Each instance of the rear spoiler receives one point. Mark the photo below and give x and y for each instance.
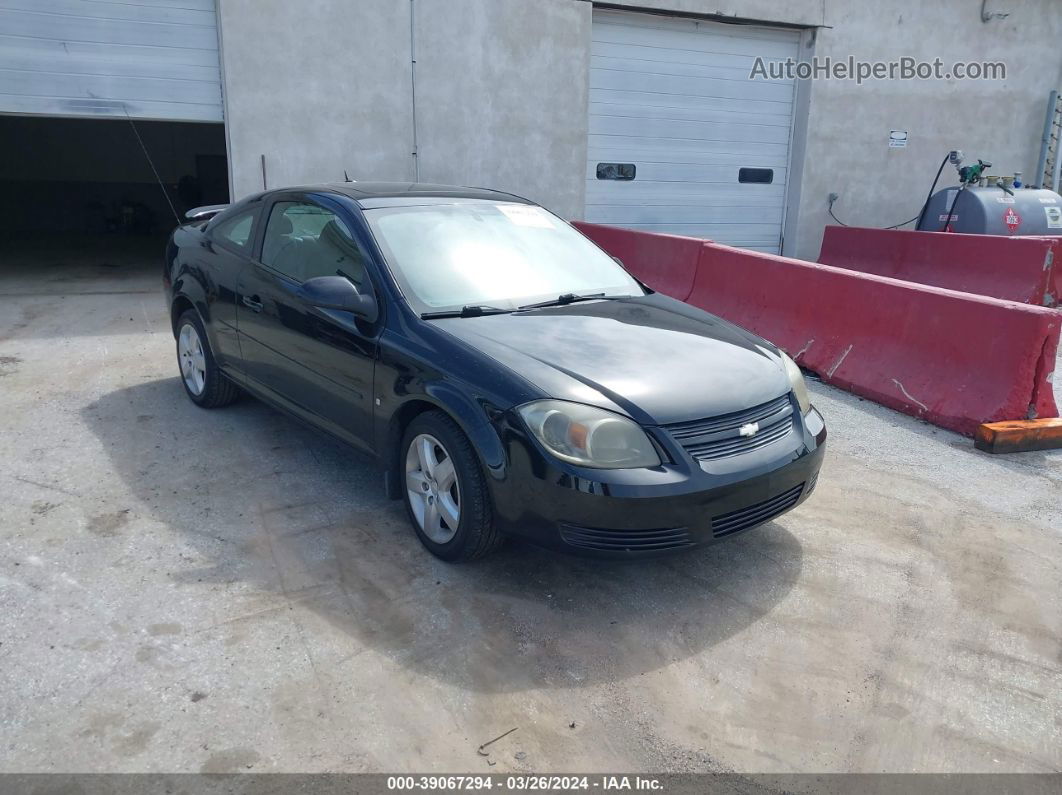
(203, 213)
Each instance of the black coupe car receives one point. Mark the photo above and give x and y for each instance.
(509, 376)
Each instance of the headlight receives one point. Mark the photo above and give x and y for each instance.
(588, 436)
(800, 389)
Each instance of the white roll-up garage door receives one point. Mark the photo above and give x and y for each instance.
(152, 59)
(681, 140)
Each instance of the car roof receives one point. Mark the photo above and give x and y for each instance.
(369, 194)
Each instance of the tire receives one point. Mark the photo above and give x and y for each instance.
(474, 535)
(203, 381)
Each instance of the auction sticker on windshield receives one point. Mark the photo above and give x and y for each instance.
(523, 215)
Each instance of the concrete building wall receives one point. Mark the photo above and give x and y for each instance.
(507, 108)
(316, 86)
(323, 85)
(501, 95)
(848, 125)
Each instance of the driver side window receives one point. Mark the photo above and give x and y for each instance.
(304, 240)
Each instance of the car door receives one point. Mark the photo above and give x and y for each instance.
(228, 244)
(315, 362)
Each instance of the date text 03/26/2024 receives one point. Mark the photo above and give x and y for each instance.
(520, 783)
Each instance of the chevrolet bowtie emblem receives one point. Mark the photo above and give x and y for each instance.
(749, 430)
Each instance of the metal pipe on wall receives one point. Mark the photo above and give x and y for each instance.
(413, 83)
(1045, 141)
(1058, 160)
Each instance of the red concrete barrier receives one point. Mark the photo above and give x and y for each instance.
(954, 359)
(1056, 274)
(1024, 269)
(667, 263)
(1055, 277)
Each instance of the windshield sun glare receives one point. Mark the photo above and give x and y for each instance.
(480, 252)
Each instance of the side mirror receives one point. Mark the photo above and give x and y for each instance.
(338, 292)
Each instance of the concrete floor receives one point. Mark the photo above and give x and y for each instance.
(183, 590)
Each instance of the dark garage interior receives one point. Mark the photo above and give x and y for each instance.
(82, 191)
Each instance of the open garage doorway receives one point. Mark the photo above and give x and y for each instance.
(79, 198)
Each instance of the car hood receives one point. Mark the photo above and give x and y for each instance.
(655, 358)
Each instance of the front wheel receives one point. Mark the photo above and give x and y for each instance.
(203, 381)
(446, 493)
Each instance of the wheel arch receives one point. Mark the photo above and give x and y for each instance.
(185, 300)
(472, 418)
(181, 304)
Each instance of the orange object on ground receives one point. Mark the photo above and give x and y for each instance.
(1019, 436)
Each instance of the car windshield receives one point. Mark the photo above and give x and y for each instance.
(492, 254)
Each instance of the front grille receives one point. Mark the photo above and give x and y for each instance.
(719, 437)
(625, 540)
(745, 518)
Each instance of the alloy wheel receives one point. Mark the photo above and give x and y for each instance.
(193, 361)
(432, 489)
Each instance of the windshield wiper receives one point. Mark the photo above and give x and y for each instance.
(571, 298)
(473, 310)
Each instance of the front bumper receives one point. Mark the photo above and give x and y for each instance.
(627, 513)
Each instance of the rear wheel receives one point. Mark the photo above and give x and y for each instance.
(445, 491)
(204, 383)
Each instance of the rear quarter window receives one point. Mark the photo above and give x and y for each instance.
(235, 230)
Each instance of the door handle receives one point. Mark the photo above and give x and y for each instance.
(253, 303)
